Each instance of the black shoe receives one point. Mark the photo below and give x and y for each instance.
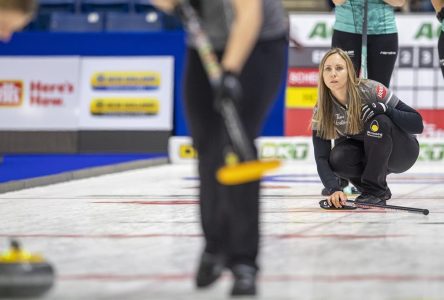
(387, 194)
(355, 190)
(370, 199)
(374, 199)
(210, 269)
(244, 280)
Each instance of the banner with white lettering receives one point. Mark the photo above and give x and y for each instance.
(127, 93)
(39, 93)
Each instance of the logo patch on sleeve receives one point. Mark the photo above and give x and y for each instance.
(381, 91)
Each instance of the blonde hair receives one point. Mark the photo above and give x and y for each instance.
(27, 7)
(323, 118)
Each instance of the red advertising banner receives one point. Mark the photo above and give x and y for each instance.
(302, 77)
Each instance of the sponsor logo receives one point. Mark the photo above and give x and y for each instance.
(303, 77)
(124, 106)
(428, 31)
(11, 93)
(431, 152)
(49, 94)
(321, 30)
(125, 80)
(287, 151)
(187, 152)
(280, 148)
(351, 53)
(387, 52)
(374, 128)
(381, 91)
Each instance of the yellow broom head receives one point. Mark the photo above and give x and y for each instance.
(245, 172)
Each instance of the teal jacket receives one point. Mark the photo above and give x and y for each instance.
(350, 16)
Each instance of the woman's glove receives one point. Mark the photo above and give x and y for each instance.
(229, 89)
(370, 110)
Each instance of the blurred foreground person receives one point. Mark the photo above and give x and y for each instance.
(250, 40)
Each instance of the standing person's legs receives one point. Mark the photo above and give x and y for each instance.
(382, 54)
(261, 78)
(230, 214)
(351, 43)
(208, 135)
(441, 51)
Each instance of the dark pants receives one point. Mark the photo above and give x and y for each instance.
(441, 52)
(382, 50)
(366, 163)
(230, 214)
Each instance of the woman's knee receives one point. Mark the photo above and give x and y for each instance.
(346, 158)
(337, 159)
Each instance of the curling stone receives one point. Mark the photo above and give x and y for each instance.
(23, 274)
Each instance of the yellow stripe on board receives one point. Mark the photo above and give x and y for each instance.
(301, 97)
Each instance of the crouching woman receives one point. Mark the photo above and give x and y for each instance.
(373, 132)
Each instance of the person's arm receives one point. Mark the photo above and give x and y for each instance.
(243, 35)
(406, 118)
(395, 3)
(384, 101)
(165, 5)
(322, 150)
(339, 2)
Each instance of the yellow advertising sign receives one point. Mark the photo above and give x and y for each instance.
(301, 97)
(125, 80)
(124, 106)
